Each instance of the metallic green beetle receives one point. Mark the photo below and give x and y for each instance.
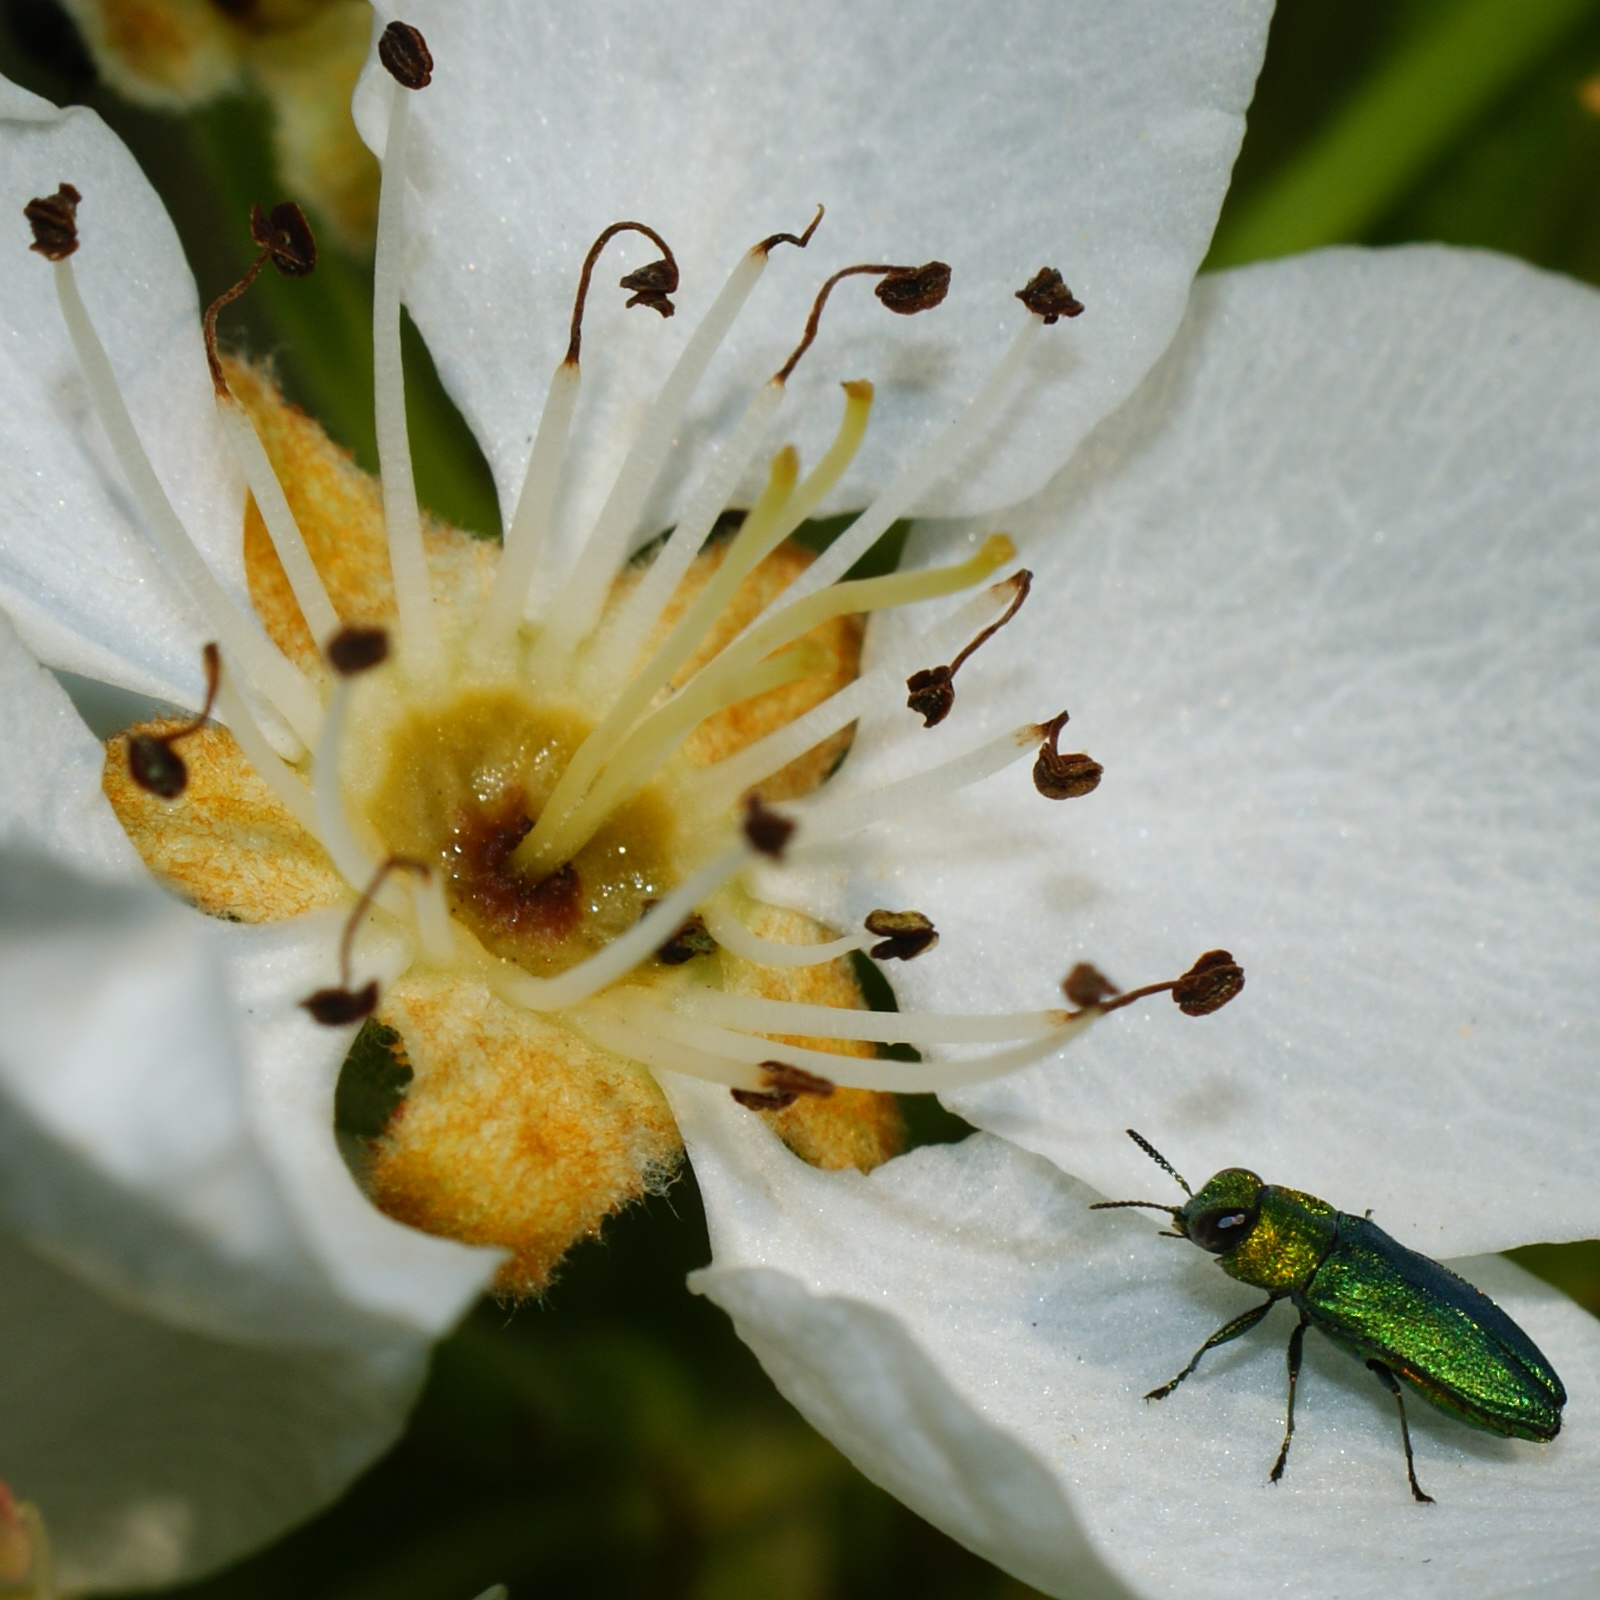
(1402, 1314)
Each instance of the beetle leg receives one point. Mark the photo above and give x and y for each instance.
(1229, 1330)
(1297, 1342)
(1392, 1384)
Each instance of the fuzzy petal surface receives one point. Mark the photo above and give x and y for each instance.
(1322, 598)
(978, 1342)
(78, 574)
(1097, 139)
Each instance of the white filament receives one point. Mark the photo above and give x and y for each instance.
(420, 648)
(435, 931)
(333, 828)
(287, 539)
(753, 1014)
(830, 820)
(529, 532)
(585, 590)
(936, 460)
(282, 779)
(635, 1026)
(626, 636)
(270, 672)
(729, 778)
(725, 926)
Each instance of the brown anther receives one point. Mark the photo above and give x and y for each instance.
(768, 831)
(1063, 777)
(784, 1085)
(405, 56)
(1206, 987)
(333, 1008)
(1087, 986)
(905, 935)
(906, 290)
(54, 220)
(286, 237)
(649, 285)
(1209, 984)
(1046, 295)
(152, 762)
(772, 240)
(352, 651)
(785, 1079)
(931, 693)
(691, 940)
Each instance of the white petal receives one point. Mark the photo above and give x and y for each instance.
(50, 765)
(77, 572)
(962, 1309)
(1322, 600)
(156, 1454)
(173, 1163)
(1097, 139)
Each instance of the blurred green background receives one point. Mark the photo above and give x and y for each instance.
(618, 1440)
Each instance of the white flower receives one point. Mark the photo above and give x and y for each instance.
(1208, 581)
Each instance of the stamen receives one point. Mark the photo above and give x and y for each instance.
(584, 594)
(350, 653)
(152, 762)
(338, 1006)
(530, 524)
(730, 932)
(731, 776)
(903, 290)
(937, 459)
(270, 671)
(405, 56)
(905, 935)
(890, 936)
(634, 1025)
(278, 776)
(1046, 295)
(404, 53)
(639, 759)
(767, 831)
(650, 284)
(785, 1085)
(1207, 986)
(1063, 777)
(623, 636)
(286, 240)
(932, 691)
(752, 1014)
(720, 682)
(54, 220)
(776, 514)
(829, 820)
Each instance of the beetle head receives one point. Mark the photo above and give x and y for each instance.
(1223, 1213)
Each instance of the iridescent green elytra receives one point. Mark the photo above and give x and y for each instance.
(1402, 1314)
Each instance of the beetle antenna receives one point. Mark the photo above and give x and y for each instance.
(1148, 1205)
(1159, 1159)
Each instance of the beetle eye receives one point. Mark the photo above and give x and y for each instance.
(1219, 1231)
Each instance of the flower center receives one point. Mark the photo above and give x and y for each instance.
(459, 783)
